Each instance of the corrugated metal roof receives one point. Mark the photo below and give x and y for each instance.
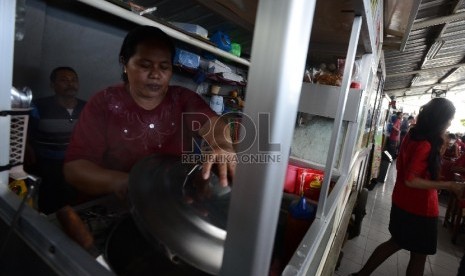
(432, 23)
(435, 20)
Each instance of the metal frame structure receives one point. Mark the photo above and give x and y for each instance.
(273, 89)
(322, 210)
(311, 247)
(255, 202)
(7, 23)
(54, 247)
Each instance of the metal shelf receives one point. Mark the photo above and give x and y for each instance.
(127, 14)
(317, 99)
(329, 36)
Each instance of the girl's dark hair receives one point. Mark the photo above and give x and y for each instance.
(137, 36)
(432, 121)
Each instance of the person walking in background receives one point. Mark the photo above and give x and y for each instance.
(460, 143)
(52, 121)
(414, 212)
(404, 128)
(452, 149)
(394, 135)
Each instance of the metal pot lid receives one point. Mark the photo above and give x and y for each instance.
(172, 205)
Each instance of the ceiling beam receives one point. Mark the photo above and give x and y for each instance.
(432, 4)
(439, 21)
(425, 70)
(458, 5)
(448, 74)
(454, 83)
(395, 33)
(424, 93)
(438, 38)
(409, 27)
(455, 8)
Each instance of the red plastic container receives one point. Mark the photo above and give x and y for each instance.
(312, 180)
(291, 177)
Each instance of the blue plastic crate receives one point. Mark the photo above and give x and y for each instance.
(186, 58)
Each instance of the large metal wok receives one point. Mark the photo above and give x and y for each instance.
(172, 206)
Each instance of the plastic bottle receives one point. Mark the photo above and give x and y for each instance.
(300, 217)
(356, 75)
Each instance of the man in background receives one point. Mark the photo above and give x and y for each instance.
(404, 128)
(52, 121)
(394, 136)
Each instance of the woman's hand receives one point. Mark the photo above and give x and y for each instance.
(121, 188)
(217, 134)
(226, 162)
(91, 179)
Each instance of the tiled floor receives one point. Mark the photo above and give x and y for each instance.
(375, 231)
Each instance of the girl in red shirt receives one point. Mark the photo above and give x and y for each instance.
(414, 212)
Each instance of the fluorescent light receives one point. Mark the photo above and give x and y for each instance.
(434, 49)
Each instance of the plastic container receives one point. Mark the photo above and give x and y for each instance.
(235, 49)
(216, 104)
(191, 28)
(222, 41)
(314, 189)
(300, 217)
(311, 180)
(217, 66)
(356, 82)
(186, 58)
(291, 177)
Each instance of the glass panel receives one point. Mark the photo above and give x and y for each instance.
(312, 136)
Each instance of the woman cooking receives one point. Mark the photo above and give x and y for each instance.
(143, 116)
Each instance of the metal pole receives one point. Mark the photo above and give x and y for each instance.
(279, 51)
(7, 28)
(350, 58)
(373, 128)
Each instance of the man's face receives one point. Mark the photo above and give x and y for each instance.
(66, 83)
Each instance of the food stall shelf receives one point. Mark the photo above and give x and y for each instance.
(255, 200)
(136, 18)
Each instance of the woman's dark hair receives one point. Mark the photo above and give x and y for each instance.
(53, 75)
(432, 121)
(137, 36)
